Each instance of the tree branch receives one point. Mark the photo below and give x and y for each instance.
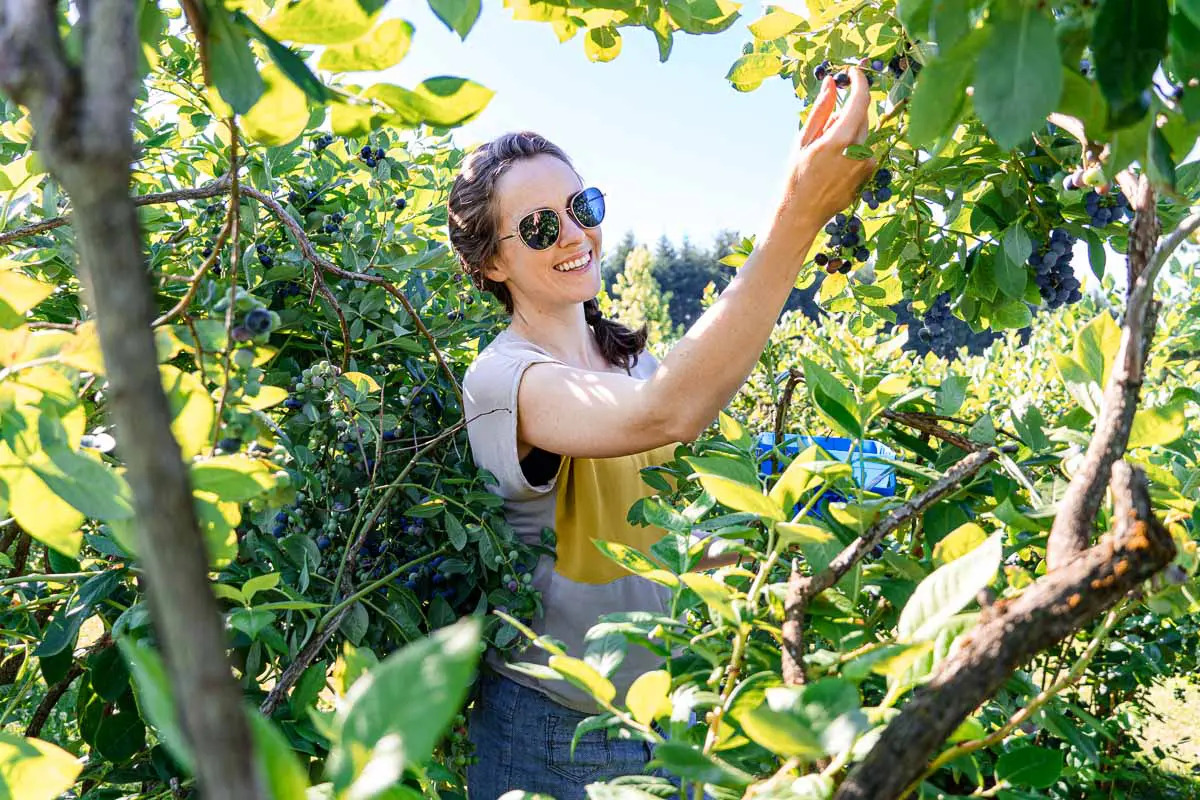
(1075, 519)
(319, 262)
(802, 589)
(1010, 633)
(212, 189)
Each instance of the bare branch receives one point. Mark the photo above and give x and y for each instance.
(1009, 634)
(802, 589)
(1074, 522)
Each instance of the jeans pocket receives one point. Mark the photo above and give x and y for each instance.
(593, 753)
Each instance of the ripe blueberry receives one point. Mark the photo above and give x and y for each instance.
(258, 321)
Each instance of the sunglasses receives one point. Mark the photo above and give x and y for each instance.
(540, 229)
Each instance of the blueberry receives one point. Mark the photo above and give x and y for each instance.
(258, 321)
(821, 70)
(378, 154)
(854, 225)
(400, 203)
(842, 80)
(365, 152)
(862, 254)
(821, 259)
(281, 516)
(278, 531)
(883, 177)
(835, 241)
(845, 267)
(883, 194)
(230, 444)
(390, 436)
(323, 542)
(293, 403)
(350, 447)
(869, 198)
(877, 65)
(831, 228)
(262, 248)
(266, 260)
(206, 252)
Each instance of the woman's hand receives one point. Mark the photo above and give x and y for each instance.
(822, 181)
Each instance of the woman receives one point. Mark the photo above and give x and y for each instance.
(565, 407)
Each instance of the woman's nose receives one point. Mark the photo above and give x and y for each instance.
(572, 232)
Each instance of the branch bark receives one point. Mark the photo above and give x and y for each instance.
(1075, 520)
(802, 589)
(84, 129)
(1010, 633)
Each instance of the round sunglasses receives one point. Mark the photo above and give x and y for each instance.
(540, 229)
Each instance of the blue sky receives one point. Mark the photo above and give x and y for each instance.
(677, 150)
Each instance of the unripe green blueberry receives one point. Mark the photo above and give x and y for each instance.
(244, 357)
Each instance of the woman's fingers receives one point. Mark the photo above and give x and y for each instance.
(852, 119)
(818, 120)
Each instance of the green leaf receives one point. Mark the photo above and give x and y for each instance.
(1096, 347)
(281, 113)
(1158, 426)
(319, 21)
(690, 763)
(1036, 767)
(383, 47)
(947, 590)
(781, 732)
(442, 101)
(31, 769)
(941, 90)
(287, 61)
(837, 415)
(1011, 273)
(1011, 314)
(1133, 38)
(457, 15)
(914, 16)
(1160, 166)
(733, 431)
(153, 692)
(801, 475)
(951, 394)
(259, 583)
(231, 65)
(455, 531)
(286, 779)
(1018, 76)
(395, 714)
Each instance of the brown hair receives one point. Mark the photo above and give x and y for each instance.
(473, 223)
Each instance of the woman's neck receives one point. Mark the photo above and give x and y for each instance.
(567, 336)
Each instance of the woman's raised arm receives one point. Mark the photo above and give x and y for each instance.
(577, 412)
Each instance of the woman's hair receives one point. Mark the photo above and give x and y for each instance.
(473, 217)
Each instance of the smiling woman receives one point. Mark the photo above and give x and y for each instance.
(565, 408)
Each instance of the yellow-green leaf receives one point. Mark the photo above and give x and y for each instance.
(383, 47)
(648, 698)
(775, 24)
(31, 769)
(636, 562)
(43, 514)
(281, 113)
(192, 410)
(232, 478)
(21, 292)
(958, 542)
(443, 101)
(351, 120)
(83, 352)
(602, 43)
(716, 595)
(319, 21)
(741, 497)
(267, 396)
(1161, 425)
(582, 675)
(733, 431)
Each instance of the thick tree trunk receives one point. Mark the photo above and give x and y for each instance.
(82, 118)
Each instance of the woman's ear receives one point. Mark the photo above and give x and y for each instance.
(494, 270)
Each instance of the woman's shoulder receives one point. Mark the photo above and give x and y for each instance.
(500, 362)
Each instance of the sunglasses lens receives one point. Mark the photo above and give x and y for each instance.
(539, 230)
(588, 206)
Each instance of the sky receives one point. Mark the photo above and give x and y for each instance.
(675, 148)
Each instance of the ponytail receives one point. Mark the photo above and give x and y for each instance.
(620, 345)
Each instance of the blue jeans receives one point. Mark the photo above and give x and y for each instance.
(523, 741)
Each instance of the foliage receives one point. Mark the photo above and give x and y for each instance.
(636, 299)
(310, 354)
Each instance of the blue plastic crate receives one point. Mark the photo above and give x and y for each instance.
(868, 472)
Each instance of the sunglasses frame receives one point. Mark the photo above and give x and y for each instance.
(570, 210)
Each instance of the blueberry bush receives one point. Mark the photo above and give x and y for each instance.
(246, 548)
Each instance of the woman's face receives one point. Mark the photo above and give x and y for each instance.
(550, 279)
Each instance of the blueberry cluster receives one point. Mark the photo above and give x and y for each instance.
(878, 189)
(900, 63)
(265, 256)
(371, 157)
(939, 332)
(1051, 261)
(333, 222)
(1103, 209)
(824, 69)
(288, 289)
(844, 245)
(302, 199)
(322, 141)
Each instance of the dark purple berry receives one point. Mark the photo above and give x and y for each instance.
(240, 334)
(821, 259)
(883, 194)
(258, 321)
(323, 542)
(230, 445)
(842, 80)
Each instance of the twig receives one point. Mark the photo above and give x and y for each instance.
(785, 400)
(42, 712)
(802, 589)
(235, 224)
(194, 281)
(1011, 632)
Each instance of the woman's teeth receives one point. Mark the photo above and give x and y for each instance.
(571, 266)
